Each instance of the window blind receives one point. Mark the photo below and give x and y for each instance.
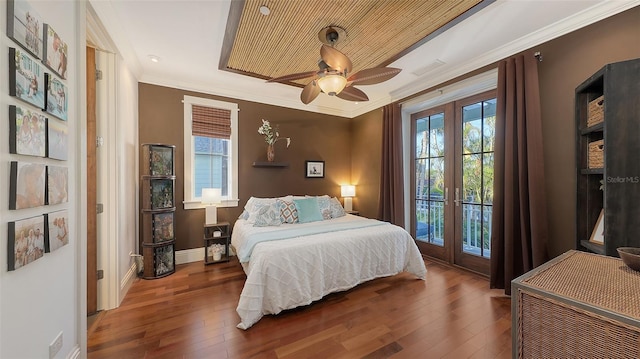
(210, 122)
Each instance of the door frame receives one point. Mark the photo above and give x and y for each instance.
(108, 242)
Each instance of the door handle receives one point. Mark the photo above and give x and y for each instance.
(457, 200)
(446, 196)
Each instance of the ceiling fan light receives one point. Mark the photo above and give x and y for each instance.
(332, 84)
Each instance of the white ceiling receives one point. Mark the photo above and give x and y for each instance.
(187, 36)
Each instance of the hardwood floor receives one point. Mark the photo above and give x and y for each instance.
(191, 314)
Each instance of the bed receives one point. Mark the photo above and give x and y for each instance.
(294, 264)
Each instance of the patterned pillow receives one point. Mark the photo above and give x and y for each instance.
(288, 212)
(244, 215)
(267, 215)
(324, 202)
(254, 204)
(336, 208)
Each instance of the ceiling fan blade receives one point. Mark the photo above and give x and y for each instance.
(291, 77)
(335, 59)
(374, 75)
(310, 92)
(353, 94)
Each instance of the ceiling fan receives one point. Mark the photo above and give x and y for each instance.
(333, 76)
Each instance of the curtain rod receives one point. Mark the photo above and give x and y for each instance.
(538, 55)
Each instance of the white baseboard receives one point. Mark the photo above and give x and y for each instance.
(127, 281)
(190, 255)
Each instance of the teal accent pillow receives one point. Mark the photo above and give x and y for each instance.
(308, 210)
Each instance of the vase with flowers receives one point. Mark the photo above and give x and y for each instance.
(271, 136)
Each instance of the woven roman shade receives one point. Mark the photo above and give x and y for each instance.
(210, 122)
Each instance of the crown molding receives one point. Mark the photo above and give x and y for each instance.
(584, 18)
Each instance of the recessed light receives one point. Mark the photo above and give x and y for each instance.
(264, 10)
(154, 58)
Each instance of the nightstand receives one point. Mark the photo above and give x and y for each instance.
(355, 213)
(213, 240)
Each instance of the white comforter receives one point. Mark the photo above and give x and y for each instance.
(287, 273)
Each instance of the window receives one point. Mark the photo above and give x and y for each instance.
(210, 150)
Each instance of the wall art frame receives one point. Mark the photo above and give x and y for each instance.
(26, 78)
(26, 241)
(26, 185)
(314, 169)
(57, 230)
(24, 26)
(27, 132)
(57, 140)
(56, 97)
(54, 52)
(57, 185)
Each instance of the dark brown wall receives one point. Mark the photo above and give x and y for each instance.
(567, 62)
(313, 137)
(366, 143)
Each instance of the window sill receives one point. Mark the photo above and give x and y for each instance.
(200, 205)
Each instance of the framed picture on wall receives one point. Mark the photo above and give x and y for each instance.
(57, 184)
(26, 242)
(314, 169)
(24, 26)
(57, 140)
(55, 52)
(26, 78)
(56, 97)
(27, 185)
(27, 132)
(57, 230)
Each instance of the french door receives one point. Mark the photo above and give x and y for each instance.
(452, 181)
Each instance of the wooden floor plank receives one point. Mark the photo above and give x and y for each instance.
(191, 314)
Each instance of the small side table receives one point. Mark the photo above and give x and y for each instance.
(211, 240)
(355, 213)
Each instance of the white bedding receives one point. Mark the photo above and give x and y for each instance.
(287, 273)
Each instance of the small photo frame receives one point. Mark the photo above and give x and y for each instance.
(164, 260)
(57, 185)
(57, 230)
(162, 227)
(24, 26)
(56, 97)
(597, 236)
(26, 241)
(27, 185)
(55, 52)
(57, 143)
(26, 78)
(162, 194)
(314, 169)
(27, 132)
(161, 160)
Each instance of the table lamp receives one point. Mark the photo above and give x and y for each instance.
(348, 191)
(211, 197)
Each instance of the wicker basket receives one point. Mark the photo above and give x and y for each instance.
(595, 112)
(596, 154)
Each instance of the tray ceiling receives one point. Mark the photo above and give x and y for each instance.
(376, 33)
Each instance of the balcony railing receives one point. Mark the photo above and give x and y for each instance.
(476, 221)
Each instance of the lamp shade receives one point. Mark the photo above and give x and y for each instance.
(332, 84)
(211, 195)
(348, 191)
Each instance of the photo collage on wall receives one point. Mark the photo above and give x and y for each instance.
(37, 128)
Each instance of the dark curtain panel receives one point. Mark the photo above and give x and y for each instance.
(519, 229)
(391, 203)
